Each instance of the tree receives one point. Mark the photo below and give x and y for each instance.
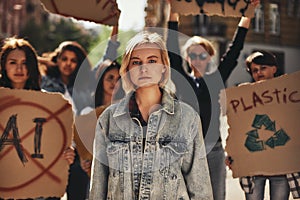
(49, 34)
(98, 46)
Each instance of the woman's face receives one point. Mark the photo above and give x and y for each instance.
(146, 66)
(111, 81)
(67, 63)
(198, 59)
(262, 72)
(16, 68)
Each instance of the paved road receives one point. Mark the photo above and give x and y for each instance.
(234, 191)
(233, 188)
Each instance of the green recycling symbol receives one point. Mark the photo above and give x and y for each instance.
(280, 137)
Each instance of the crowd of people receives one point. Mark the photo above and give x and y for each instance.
(153, 140)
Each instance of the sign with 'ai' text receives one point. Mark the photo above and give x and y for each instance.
(35, 129)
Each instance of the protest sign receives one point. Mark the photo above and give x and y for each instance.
(85, 127)
(264, 128)
(102, 12)
(221, 8)
(84, 133)
(36, 128)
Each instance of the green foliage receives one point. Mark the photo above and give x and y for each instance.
(49, 34)
(124, 37)
(99, 45)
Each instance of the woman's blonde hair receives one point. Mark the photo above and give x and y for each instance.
(196, 40)
(141, 38)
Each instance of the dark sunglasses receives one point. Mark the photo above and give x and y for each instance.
(201, 56)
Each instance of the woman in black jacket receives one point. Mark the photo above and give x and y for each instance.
(205, 82)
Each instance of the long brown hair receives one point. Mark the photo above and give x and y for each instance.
(83, 62)
(13, 43)
(105, 67)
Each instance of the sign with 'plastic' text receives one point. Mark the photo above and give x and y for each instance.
(264, 126)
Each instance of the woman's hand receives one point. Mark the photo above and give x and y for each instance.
(46, 61)
(255, 2)
(228, 161)
(173, 17)
(69, 155)
(246, 21)
(86, 165)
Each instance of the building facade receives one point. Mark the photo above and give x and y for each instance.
(14, 14)
(275, 27)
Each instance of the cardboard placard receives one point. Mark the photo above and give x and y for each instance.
(84, 134)
(264, 128)
(98, 11)
(223, 8)
(36, 128)
(85, 126)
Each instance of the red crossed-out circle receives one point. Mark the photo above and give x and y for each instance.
(12, 101)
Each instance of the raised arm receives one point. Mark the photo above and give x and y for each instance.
(173, 43)
(114, 33)
(229, 59)
(113, 45)
(245, 21)
(111, 50)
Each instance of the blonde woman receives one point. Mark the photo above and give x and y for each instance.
(149, 145)
(206, 80)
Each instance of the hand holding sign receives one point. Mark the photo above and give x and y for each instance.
(215, 7)
(33, 143)
(264, 127)
(98, 11)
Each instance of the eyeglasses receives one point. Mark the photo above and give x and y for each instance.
(201, 56)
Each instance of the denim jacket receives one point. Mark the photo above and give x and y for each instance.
(169, 164)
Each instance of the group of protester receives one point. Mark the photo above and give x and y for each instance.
(151, 140)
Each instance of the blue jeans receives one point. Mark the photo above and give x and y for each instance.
(217, 171)
(279, 188)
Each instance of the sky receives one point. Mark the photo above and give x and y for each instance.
(132, 14)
